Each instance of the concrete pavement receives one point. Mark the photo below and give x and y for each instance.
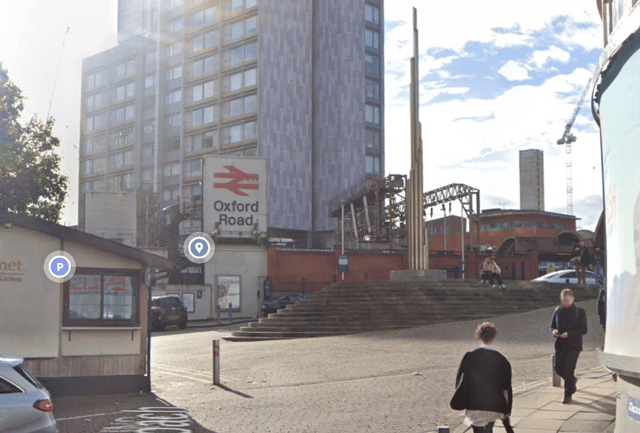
(394, 381)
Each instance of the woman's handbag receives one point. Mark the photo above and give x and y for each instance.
(459, 399)
(507, 425)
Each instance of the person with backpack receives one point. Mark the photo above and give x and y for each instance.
(568, 325)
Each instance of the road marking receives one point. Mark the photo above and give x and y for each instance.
(187, 377)
(186, 370)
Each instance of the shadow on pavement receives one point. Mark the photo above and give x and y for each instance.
(119, 413)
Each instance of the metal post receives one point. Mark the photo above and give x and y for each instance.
(342, 235)
(230, 306)
(462, 236)
(216, 362)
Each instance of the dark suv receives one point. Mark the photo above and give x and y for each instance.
(167, 310)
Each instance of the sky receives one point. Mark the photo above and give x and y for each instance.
(500, 77)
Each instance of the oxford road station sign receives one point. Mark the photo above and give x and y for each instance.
(234, 196)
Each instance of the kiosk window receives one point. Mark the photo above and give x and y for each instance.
(101, 298)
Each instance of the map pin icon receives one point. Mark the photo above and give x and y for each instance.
(198, 247)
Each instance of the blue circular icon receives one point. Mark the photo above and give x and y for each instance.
(60, 266)
(199, 247)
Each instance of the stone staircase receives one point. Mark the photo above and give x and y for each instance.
(353, 307)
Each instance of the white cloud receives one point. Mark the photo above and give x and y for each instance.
(540, 58)
(514, 71)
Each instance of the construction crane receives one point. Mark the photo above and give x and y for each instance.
(566, 139)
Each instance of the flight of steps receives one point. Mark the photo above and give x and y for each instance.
(353, 307)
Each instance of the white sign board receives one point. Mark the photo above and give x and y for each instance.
(234, 196)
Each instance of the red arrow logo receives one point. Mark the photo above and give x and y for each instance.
(237, 177)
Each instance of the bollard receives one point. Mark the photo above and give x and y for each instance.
(230, 305)
(216, 362)
(556, 379)
(443, 430)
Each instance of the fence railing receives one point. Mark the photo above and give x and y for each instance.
(310, 283)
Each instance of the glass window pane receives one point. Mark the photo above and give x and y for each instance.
(250, 52)
(235, 108)
(118, 298)
(235, 82)
(207, 116)
(250, 78)
(84, 297)
(235, 134)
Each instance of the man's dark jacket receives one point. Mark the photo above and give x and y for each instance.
(488, 374)
(572, 320)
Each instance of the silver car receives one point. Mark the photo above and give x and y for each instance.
(25, 405)
(565, 276)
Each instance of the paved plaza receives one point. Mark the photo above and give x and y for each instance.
(392, 381)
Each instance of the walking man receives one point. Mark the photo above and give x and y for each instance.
(568, 325)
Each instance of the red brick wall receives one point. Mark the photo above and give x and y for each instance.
(319, 269)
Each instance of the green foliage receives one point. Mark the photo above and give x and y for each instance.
(30, 179)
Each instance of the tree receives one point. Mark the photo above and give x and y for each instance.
(31, 182)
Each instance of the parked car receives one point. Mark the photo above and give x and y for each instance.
(566, 276)
(168, 310)
(281, 302)
(25, 405)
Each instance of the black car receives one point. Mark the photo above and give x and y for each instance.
(281, 302)
(168, 310)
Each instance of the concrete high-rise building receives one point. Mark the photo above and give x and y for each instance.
(298, 82)
(531, 179)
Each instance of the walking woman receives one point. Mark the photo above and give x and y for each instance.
(484, 383)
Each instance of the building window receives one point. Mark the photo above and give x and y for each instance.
(240, 80)
(149, 81)
(193, 168)
(176, 25)
(122, 182)
(372, 89)
(172, 169)
(174, 49)
(95, 122)
(372, 164)
(204, 66)
(101, 298)
(203, 116)
(237, 55)
(372, 139)
(236, 133)
(173, 120)
(239, 107)
(240, 29)
(206, 41)
(173, 97)
(203, 91)
(205, 17)
(125, 69)
(125, 91)
(195, 143)
(97, 79)
(122, 159)
(124, 114)
(372, 14)
(150, 59)
(372, 114)
(372, 65)
(372, 39)
(94, 101)
(174, 73)
(170, 194)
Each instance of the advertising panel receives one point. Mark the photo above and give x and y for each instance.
(234, 194)
(620, 123)
(228, 292)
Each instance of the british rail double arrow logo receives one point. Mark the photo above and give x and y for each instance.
(237, 176)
